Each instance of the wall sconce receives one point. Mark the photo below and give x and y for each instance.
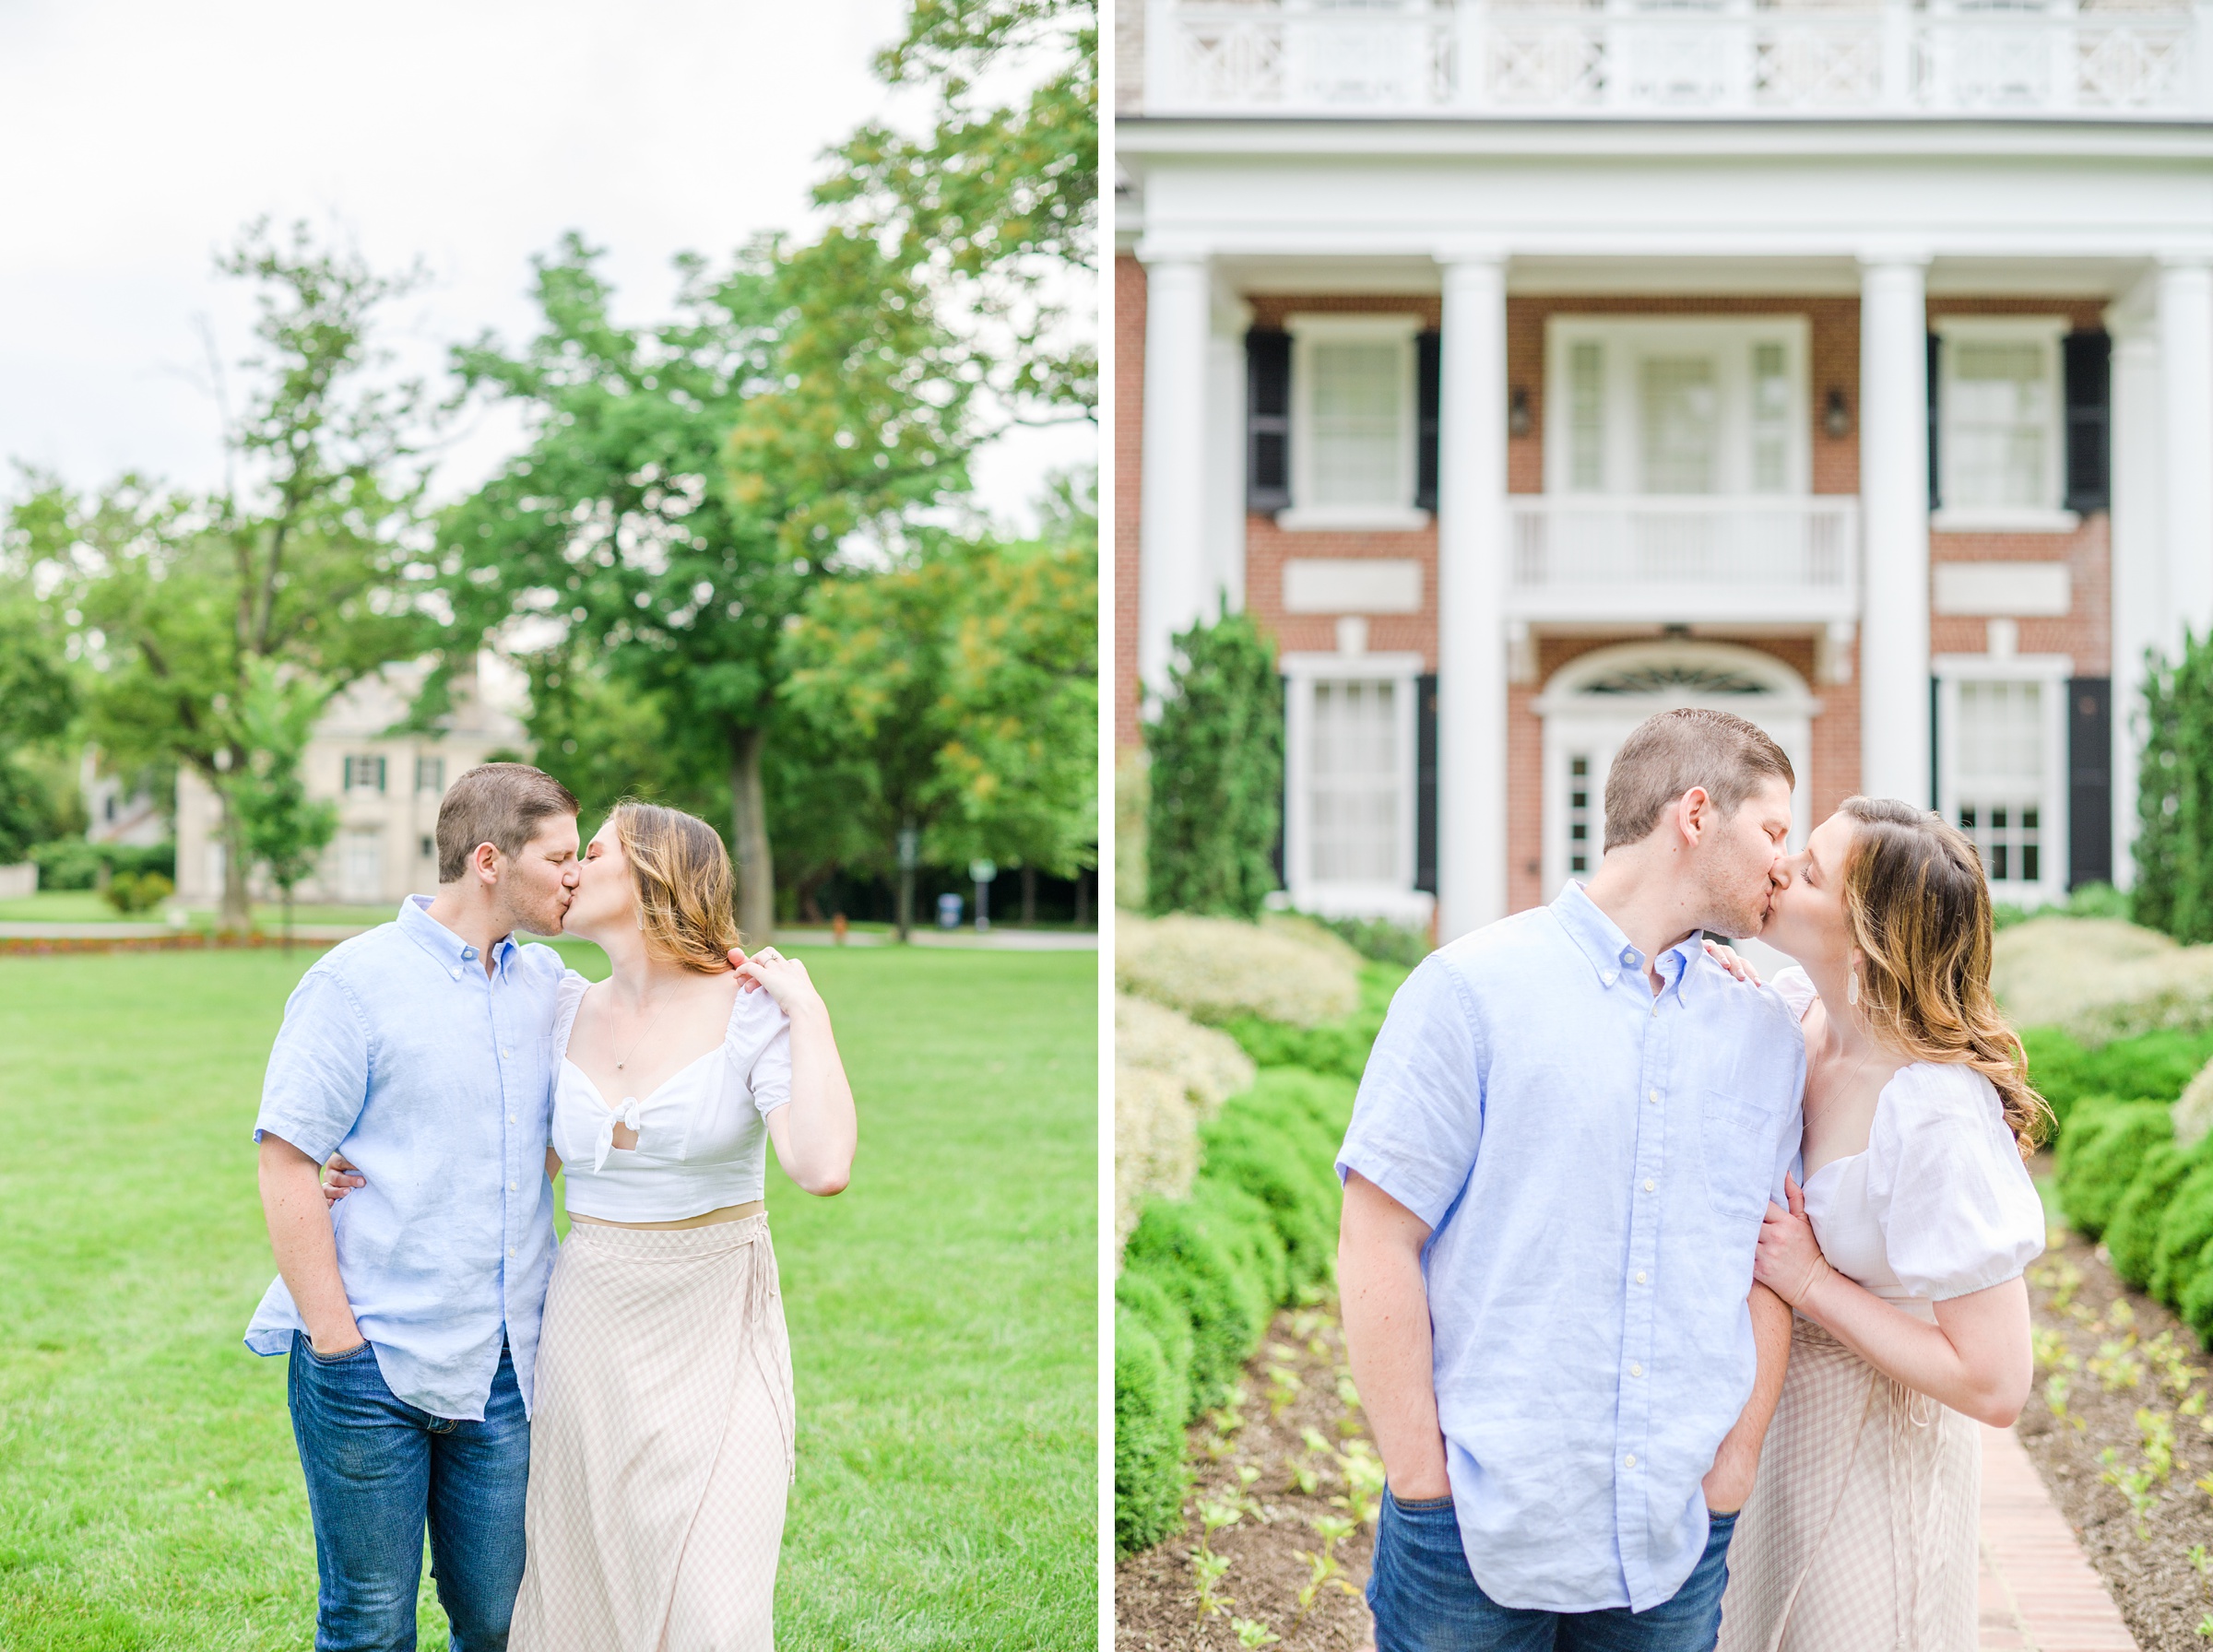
(1517, 411)
(1836, 417)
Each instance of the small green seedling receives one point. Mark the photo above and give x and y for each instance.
(1251, 1631)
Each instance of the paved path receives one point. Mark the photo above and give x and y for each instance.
(2038, 1593)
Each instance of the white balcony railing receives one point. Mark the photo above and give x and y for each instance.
(1674, 558)
(2104, 59)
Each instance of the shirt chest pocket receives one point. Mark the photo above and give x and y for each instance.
(1737, 1141)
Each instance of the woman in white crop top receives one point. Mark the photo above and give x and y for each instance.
(1903, 1253)
(662, 1440)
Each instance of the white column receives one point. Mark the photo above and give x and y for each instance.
(1172, 521)
(2186, 397)
(2140, 606)
(1224, 560)
(1894, 493)
(1471, 624)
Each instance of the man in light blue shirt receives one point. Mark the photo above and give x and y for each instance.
(422, 1051)
(1566, 1140)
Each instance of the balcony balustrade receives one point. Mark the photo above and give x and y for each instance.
(1645, 58)
(1608, 557)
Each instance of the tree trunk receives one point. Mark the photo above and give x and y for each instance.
(748, 831)
(1083, 905)
(1029, 896)
(237, 914)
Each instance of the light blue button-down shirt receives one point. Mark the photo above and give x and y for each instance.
(436, 1080)
(1594, 1162)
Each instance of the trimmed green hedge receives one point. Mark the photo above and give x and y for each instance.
(1201, 1277)
(1338, 1046)
(2099, 1157)
(2150, 1066)
(2132, 1237)
(2185, 1228)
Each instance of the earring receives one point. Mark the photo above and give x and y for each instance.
(1851, 988)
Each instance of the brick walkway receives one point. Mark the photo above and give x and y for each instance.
(2038, 1593)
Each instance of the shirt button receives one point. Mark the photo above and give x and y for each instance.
(1629, 1462)
(1648, 1184)
(1641, 1276)
(511, 1189)
(510, 1250)
(456, 971)
(510, 1118)
(506, 1052)
(1653, 1097)
(1635, 1369)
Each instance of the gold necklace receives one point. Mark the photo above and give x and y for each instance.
(639, 1040)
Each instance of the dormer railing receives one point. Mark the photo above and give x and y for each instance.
(1645, 58)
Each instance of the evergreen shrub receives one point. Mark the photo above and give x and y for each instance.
(2156, 1066)
(1339, 1046)
(2132, 1236)
(2184, 1228)
(1204, 1255)
(2099, 1157)
(1148, 1476)
(1216, 775)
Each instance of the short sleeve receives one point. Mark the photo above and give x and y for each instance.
(317, 1079)
(1418, 1120)
(1946, 1184)
(759, 1046)
(1796, 991)
(568, 997)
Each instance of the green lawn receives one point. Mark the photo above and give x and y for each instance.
(64, 906)
(941, 1310)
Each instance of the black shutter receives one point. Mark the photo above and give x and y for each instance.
(1425, 370)
(2089, 780)
(1267, 421)
(2088, 358)
(1425, 782)
(1936, 485)
(1936, 699)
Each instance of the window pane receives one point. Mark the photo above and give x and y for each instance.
(1681, 415)
(1998, 424)
(1578, 815)
(1358, 412)
(1770, 420)
(2000, 764)
(1354, 762)
(1586, 418)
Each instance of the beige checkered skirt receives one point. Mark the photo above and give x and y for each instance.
(661, 1444)
(1861, 1530)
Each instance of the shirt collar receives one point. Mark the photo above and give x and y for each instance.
(1600, 939)
(453, 953)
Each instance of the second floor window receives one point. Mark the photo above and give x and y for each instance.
(1999, 403)
(364, 773)
(1354, 421)
(430, 774)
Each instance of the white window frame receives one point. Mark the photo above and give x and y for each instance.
(351, 767)
(1400, 903)
(1307, 331)
(2052, 672)
(1731, 339)
(2051, 514)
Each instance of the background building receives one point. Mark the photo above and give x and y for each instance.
(387, 787)
(1526, 369)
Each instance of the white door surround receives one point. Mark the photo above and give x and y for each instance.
(1592, 704)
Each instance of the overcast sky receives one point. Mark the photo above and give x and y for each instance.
(137, 136)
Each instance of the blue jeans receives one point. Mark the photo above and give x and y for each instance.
(1425, 1599)
(377, 1468)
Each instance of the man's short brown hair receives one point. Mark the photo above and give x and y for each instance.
(499, 804)
(1670, 752)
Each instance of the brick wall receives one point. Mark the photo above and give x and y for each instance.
(1128, 492)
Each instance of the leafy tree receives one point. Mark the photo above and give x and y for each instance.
(997, 204)
(2175, 848)
(686, 484)
(174, 600)
(37, 702)
(963, 684)
(1216, 773)
(283, 830)
(2158, 802)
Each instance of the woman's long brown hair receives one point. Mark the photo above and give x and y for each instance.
(681, 873)
(1919, 909)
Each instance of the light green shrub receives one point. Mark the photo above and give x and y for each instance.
(2184, 1228)
(1216, 970)
(1149, 1475)
(2132, 1236)
(2098, 1158)
(1340, 1047)
(1169, 1074)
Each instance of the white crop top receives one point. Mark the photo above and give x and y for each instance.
(702, 1136)
(1938, 1204)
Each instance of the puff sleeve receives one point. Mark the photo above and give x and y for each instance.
(759, 1047)
(1796, 990)
(1946, 1184)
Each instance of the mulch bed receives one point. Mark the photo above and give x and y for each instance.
(2132, 1372)
(1256, 1457)
(190, 942)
